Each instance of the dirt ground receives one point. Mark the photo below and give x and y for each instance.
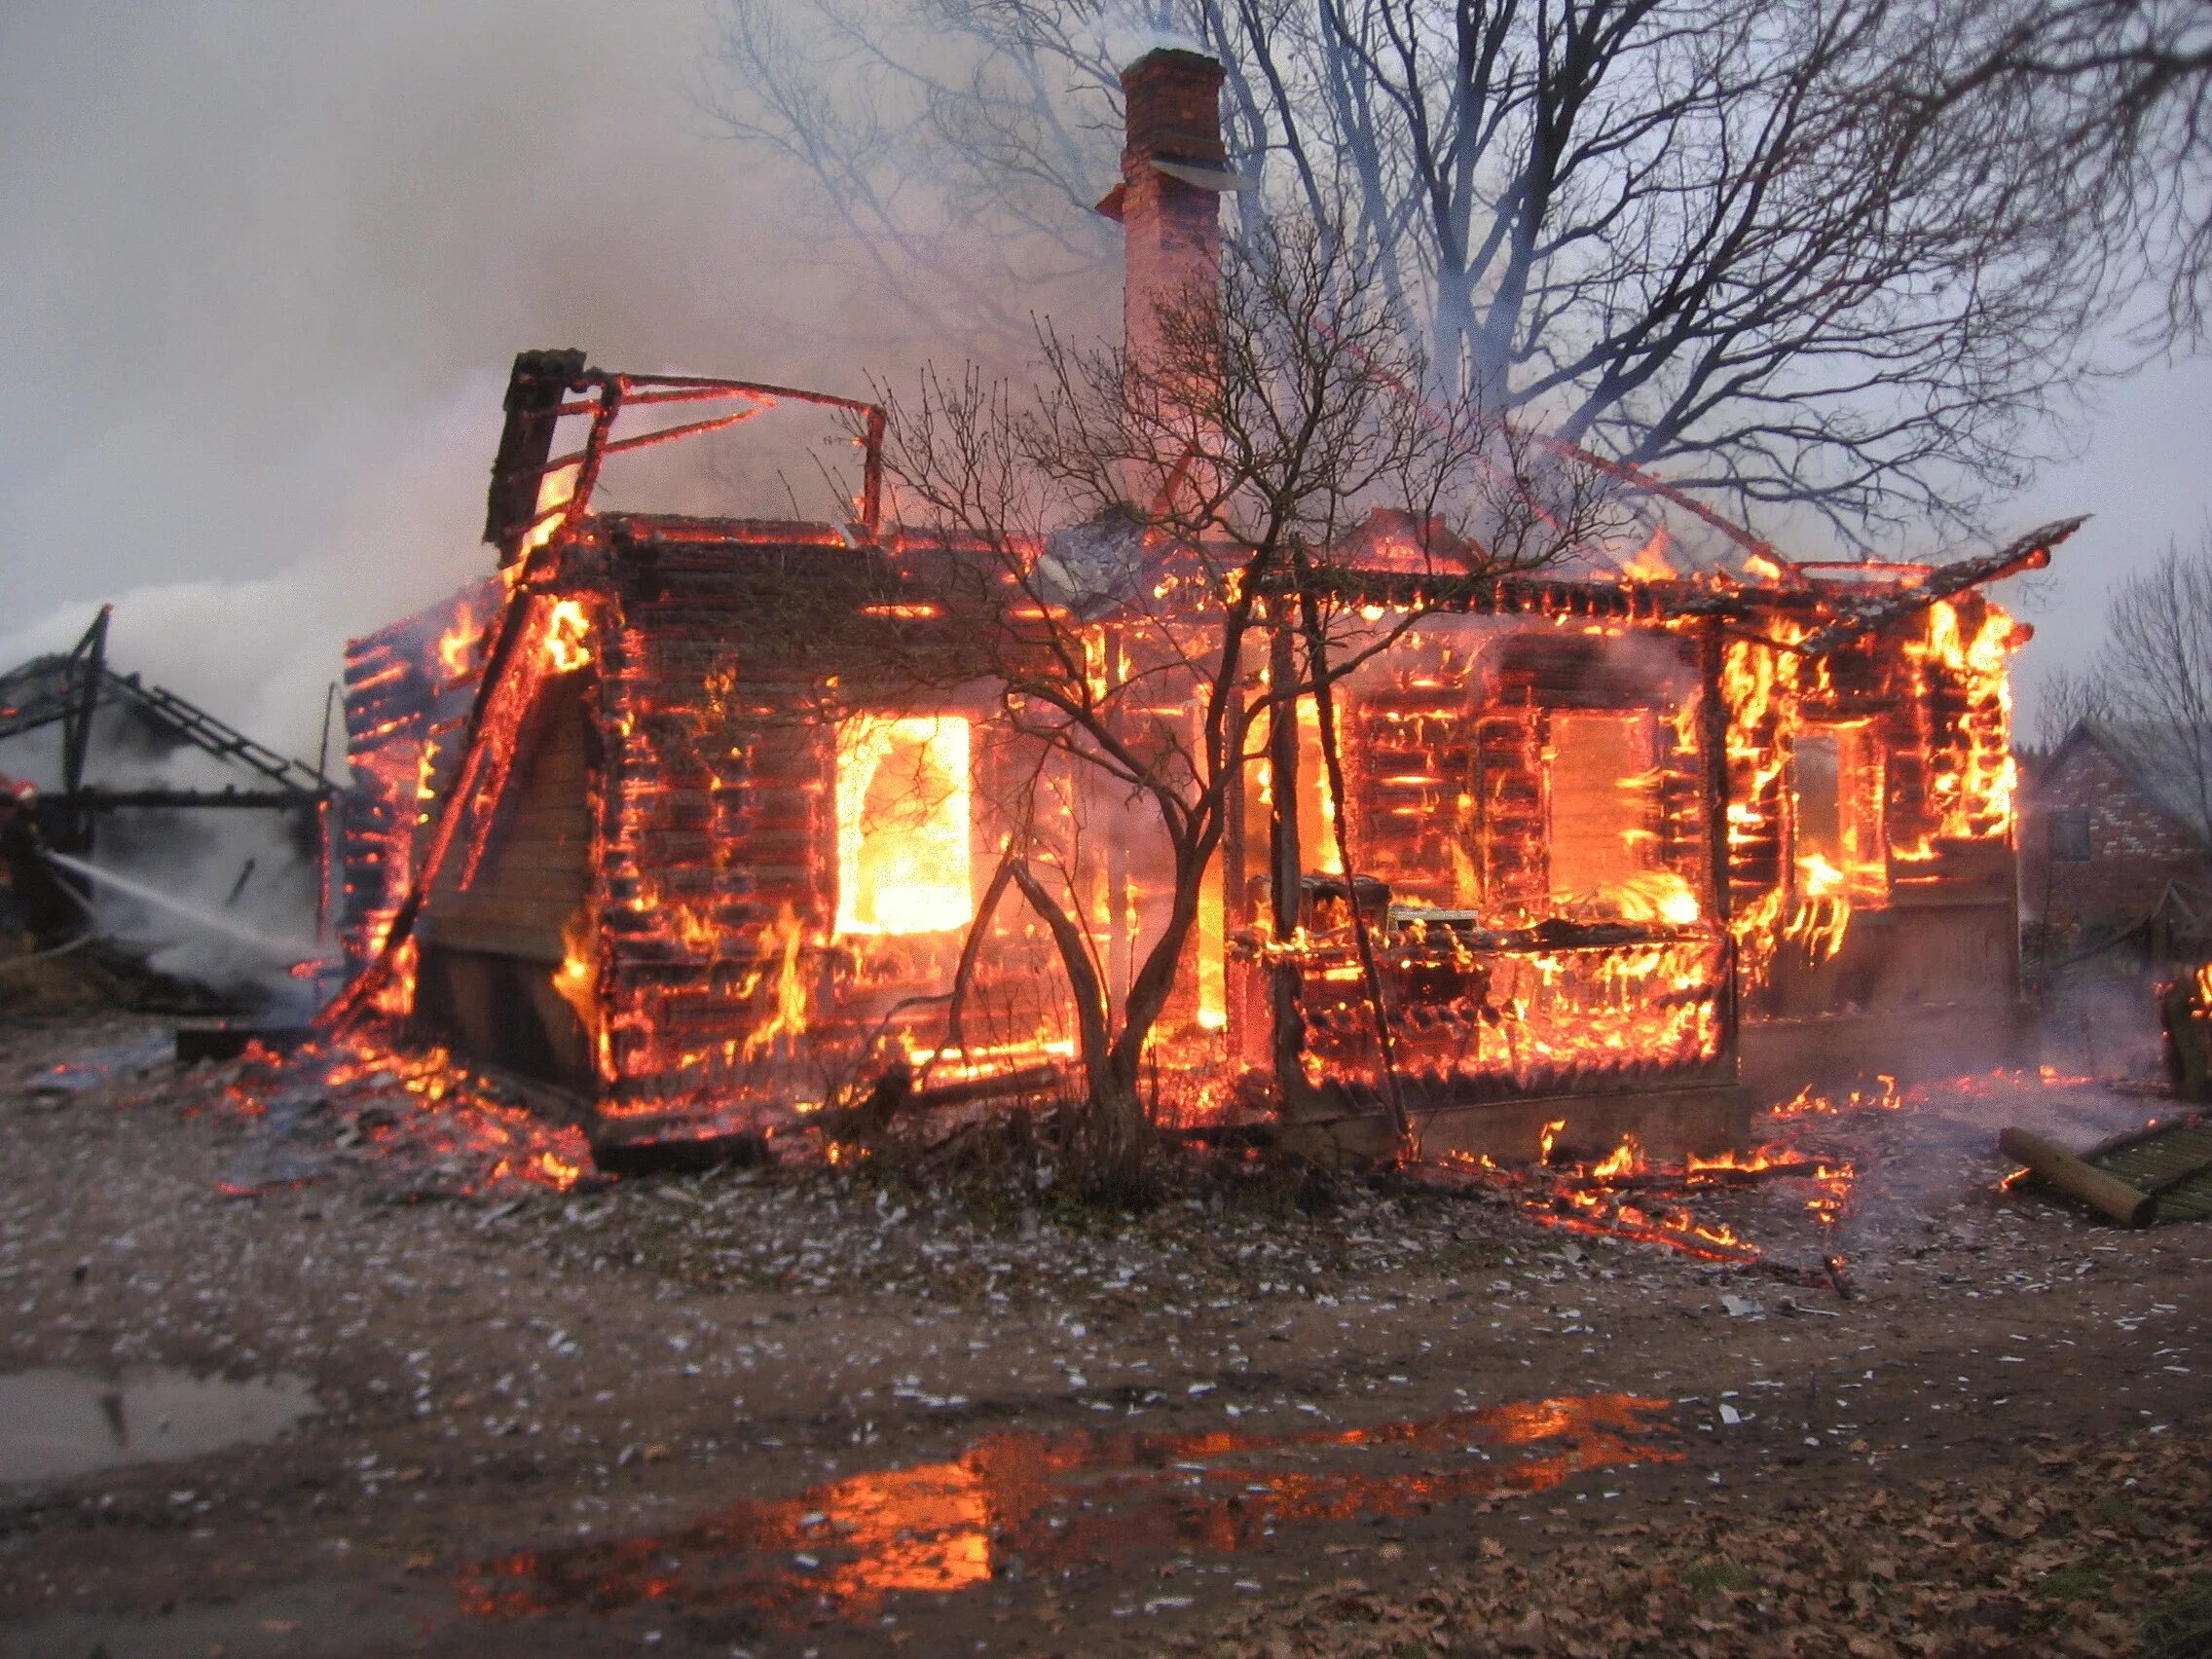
(821, 1411)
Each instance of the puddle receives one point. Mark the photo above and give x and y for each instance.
(1014, 1505)
(55, 1424)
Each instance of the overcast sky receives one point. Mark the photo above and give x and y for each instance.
(265, 264)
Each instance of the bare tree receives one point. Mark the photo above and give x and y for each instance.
(2122, 144)
(2064, 699)
(1745, 241)
(2153, 680)
(1142, 654)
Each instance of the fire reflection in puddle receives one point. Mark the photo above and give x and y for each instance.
(1023, 1502)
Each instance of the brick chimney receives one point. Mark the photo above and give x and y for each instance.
(1173, 172)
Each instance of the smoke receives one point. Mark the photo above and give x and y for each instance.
(1127, 30)
(264, 271)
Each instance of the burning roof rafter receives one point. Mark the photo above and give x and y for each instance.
(533, 491)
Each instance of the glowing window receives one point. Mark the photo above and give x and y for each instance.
(1837, 776)
(903, 816)
(1600, 800)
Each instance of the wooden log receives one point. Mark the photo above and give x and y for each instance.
(2107, 1195)
(665, 1145)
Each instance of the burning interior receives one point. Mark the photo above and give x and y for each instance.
(701, 820)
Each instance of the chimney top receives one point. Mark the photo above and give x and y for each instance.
(1183, 56)
(1171, 100)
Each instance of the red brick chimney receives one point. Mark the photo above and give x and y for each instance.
(1173, 172)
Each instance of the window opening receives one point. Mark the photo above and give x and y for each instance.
(903, 812)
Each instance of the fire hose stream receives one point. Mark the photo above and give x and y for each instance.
(286, 951)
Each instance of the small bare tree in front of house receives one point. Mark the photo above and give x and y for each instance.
(1234, 452)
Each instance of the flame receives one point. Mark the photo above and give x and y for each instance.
(576, 980)
(1627, 1159)
(1822, 915)
(396, 997)
(1649, 563)
(457, 645)
(1972, 775)
(1655, 895)
(1807, 1102)
(1819, 878)
(568, 628)
(1546, 1139)
(787, 1000)
(555, 490)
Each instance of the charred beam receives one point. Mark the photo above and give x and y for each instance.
(2031, 552)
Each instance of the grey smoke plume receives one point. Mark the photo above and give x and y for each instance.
(266, 266)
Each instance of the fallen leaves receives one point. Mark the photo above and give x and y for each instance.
(1838, 1579)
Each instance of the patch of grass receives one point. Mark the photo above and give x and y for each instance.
(2075, 1584)
(2113, 1510)
(2181, 1626)
(1715, 1573)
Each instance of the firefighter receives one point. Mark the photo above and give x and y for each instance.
(43, 907)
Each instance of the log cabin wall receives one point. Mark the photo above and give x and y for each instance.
(1534, 801)
(408, 690)
(745, 659)
(1889, 760)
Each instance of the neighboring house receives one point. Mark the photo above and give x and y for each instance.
(2113, 838)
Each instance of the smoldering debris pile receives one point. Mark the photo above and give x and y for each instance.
(410, 1127)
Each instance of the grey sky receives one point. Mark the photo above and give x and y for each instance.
(265, 265)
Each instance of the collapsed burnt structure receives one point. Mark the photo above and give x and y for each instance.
(111, 755)
(659, 815)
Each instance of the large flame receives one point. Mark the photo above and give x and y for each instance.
(903, 812)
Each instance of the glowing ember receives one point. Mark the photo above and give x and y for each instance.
(419, 1113)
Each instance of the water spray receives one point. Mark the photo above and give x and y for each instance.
(286, 951)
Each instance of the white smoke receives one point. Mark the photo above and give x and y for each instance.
(1126, 30)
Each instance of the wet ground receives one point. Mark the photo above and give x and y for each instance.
(756, 1413)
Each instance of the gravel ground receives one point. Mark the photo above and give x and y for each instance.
(796, 1409)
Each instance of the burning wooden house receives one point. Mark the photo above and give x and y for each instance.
(700, 819)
